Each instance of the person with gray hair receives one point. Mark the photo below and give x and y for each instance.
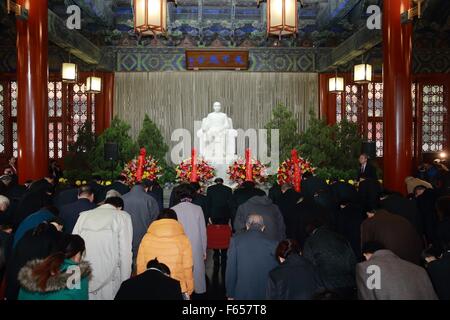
(69, 213)
(5, 214)
(251, 256)
(113, 193)
(273, 219)
(255, 222)
(4, 204)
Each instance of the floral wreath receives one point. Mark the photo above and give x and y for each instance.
(150, 170)
(237, 171)
(285, 173)
(205, 172)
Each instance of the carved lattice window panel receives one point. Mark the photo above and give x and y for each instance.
(2, 117)
(15, 144)
(14, 99)
(92, 112)
(55, 113)
(14, 105)
(375, 115)
(434, 118)
(79, 109)
(352, 103)
(51, 141)
(69, 107)
(338, 108)
(414, 126)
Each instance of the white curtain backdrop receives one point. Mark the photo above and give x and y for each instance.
(177, 99)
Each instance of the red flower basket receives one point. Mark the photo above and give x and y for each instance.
(151, 170)
(205, 172)
(236, 171)
(285, 172)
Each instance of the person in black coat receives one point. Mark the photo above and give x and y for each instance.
(287, 204)
(275, 193)
(65, 196)
(200, 199)
(118, 185)
(246, 191)
(16, 191)
(369, 191)
(305, 211)
(31, 202)
(397, 204)
(366, 170)
(5, 248)
(348, 224)
(70, 212)
(439, 272)
(324, 198)
(43, 184)
(426, 202)
(153, 284)
(97, 188)
(443, 224)
(173, 198)
(312, 184)
(54, 170)
(333, 258)
(155, 190)
(295, 278)
(218, 197)
(343, 192)
(38, 243)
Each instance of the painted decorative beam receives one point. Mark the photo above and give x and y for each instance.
(98, 10)
(436, 11)
(71, 40)
(5, 19)
(359, 43)
(335, 11)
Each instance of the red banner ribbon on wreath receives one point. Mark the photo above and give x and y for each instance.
(248, 166)
(297, 172)
(194, 175)
(140, 167)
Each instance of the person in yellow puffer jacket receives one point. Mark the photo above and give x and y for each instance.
(166, 241)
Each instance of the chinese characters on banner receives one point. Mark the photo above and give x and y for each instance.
(216, 59)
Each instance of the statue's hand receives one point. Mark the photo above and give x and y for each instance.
(210, 135)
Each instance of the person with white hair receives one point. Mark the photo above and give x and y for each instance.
(251, 256)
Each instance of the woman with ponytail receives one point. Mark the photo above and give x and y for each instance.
(295, 277)
(61, 276)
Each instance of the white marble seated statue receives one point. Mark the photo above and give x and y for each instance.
(217, 137)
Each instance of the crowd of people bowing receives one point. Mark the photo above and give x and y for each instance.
(329, 241)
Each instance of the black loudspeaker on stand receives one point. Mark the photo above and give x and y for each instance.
(111, 153)
(369, 148)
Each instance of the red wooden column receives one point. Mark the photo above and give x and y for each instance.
(32, 78)
(397, 48)
(105, 103)
(327, 100)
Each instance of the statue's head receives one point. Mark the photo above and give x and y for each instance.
(217, 106)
